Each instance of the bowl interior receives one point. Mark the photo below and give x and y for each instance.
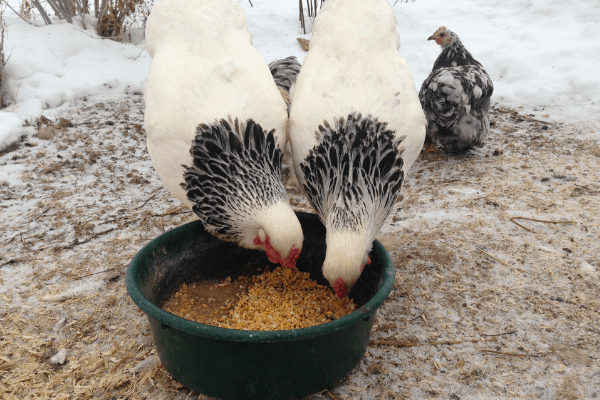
(189, 254)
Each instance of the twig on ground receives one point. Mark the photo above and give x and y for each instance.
(398, 343)
(502, 262)
(14, 237)
(138, 56)
(499, 334)
(18, 259)
(417, 317)
(518, 224)
(174, 211)
(510, 354)
(528, 118)
(329, 394)
(76, 242)
(537, 220)
(83, 276)
(144, 203)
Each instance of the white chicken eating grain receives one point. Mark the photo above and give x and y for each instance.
(456, 96)
(356, 127)
(217, 125)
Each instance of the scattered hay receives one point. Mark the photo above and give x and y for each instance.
(88, 204)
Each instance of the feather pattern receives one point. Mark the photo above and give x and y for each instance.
(354, 175)
(456, 96)
(284, 72)
(236, 172)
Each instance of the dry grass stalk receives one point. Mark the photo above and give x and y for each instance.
(23, 17)
(85, 276)
(394, 394)
(398, 343)
(502, 262)
(18, 259)
(327, 393)
(499, 334)
(537, 220)
(26, 10)
(111, 22)
(516, 114)
(509, 354)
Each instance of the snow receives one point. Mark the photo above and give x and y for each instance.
(542, 56)
(11, 174)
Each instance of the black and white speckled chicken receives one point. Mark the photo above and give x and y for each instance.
(456, 96)
(285, 72)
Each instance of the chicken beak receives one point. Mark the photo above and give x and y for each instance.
(431, 38)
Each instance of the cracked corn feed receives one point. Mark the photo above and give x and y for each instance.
(274, 300)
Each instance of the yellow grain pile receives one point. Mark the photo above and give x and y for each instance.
(275, 300)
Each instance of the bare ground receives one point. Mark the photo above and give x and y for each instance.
(486, 304)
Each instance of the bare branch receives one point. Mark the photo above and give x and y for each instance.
(19, 15)
(82, 15)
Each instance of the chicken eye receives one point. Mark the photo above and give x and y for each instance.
(442, 34)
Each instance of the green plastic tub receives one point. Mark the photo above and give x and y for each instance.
(236, 364)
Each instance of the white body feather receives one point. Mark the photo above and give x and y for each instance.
(204, 68)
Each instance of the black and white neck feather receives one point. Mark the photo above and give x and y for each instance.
(354, 175)
(285, 72)
(235, 181)
(454, 53)
(353, 178)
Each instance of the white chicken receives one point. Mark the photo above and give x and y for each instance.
(356, 127)
(217, 125)
(456, 96)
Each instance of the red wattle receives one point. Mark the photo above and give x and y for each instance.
(340, 288)
(290, 261)
(274, 256)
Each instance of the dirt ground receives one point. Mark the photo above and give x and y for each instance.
(496, 253)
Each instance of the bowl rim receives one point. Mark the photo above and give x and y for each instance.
(208, 331)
